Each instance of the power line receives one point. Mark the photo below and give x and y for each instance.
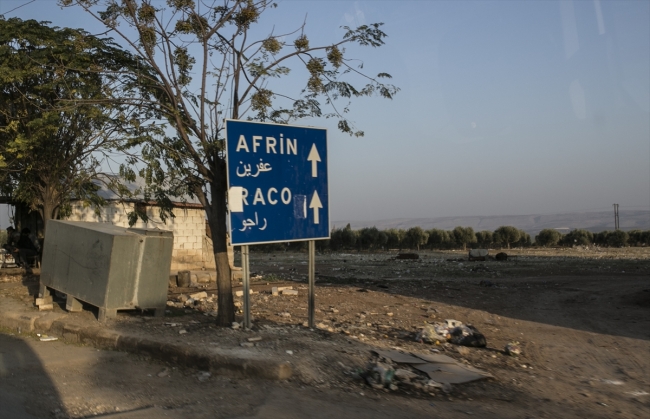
(25, 4)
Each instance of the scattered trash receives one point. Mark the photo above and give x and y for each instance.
(513, 349)
(429, 371)
(46, 338)
(182, 332)
(289, 351)
(235, 325)
(467, 335)
(379, 375)
(638, 393)
(452, 331)
(432, 334)
(613, 382)
(255, 339)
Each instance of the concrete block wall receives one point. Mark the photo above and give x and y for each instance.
(190, 245)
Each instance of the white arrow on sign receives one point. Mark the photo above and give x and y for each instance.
(316, 205)
(314, 158)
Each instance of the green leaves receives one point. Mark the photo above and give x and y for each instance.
(184, 63)
(335, 56)
(56, 120)
(302, 43)
(366, 35)
(272, 45)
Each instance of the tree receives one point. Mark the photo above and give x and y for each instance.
(548, 237)
(617, 238)
(638, 237)
(601, 239)
(236, 76)
(524, 239)
(394, 238)
(484, 238)
(578, 237)
(506, 235)
(415, 237)
(348, 237)
(368, 238)
(438, 239)
(463, 236)
(49, 149)
(382, 239)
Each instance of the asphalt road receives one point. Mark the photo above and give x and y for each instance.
(57, 380)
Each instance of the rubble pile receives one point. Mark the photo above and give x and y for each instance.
(452, 331)
(394, 370)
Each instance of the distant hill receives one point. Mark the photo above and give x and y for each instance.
(532, 224)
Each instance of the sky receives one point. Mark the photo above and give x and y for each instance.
(505, 107)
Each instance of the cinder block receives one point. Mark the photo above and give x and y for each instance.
(44, 300)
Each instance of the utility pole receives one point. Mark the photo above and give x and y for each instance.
(616, 221)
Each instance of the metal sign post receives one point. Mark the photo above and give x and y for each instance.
(246, 286)
(312, 282)
(277, 191)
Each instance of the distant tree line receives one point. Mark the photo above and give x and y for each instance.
(416, 238)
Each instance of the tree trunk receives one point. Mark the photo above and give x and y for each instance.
(217, 220)
(49, 211)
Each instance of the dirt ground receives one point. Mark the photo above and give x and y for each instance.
(581, 316)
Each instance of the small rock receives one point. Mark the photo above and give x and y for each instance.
(290, 352)
(182, 332)
(389, 314)
(284, 314)
(163, 373)
(235, 325)
(203, 376)
(513, 349)
(464, 351)
(199, 295)
(255, 339)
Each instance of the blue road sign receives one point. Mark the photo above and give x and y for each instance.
(277, 183)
